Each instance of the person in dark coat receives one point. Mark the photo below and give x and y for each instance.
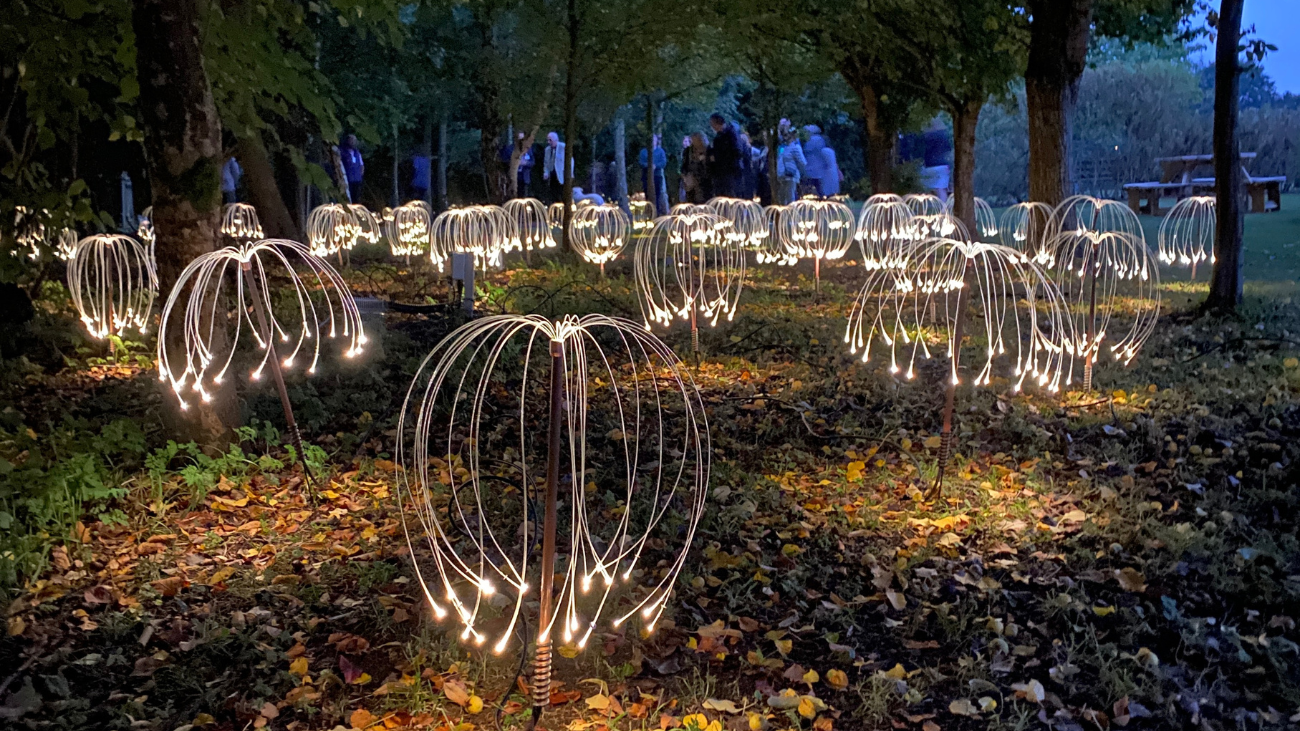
(696, 186)
(354, 167)
(725, 157)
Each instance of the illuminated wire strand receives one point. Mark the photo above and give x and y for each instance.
(886, 232)
(775, 248)
(366, 226)
(473, 462)
(200, 305)
(986, 224)
(1024, 227)
(239, 222)
(484, 231)
(113, 284)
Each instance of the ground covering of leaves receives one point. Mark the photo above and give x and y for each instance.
(1123, 559)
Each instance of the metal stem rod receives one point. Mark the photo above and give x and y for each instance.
(542, 662)
(255, 294)
(950, 395)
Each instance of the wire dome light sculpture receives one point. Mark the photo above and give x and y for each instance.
(408, 230)
(65, 246)
(775, 248)
(331, 229)
(886, 232)
(688, 267)
(683, 209)
(1187, 233)
(365, 226)
(29, 233)
(922, 310)
(1097, 251)
(490, 454)
(198, 319)
(532, 229)
(113, 284)
(599, 233)
(748, 224)
(239, 222)
(642, 214)
(924, 204)
(1024, 227)
(483, 231)
(144, 231)
(817, 230)
(986, 224)
(940, 226)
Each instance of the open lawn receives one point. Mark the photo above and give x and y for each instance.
(1127, 558)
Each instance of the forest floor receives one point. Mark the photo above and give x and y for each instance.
(1126, 558)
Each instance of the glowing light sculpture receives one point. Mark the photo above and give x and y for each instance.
(532, 230)
(365, 226)
(922, 309)
(886, 232)
(689, 268)
(239, 222)
(144, 231)
(331, 229)
(819, 230)
(29, 233)
(748, 224)
(775, 248)
(1097, 251)
(113, 284)
(924, 204)
(682, 209)
(490, 454)
(65, 247)
(196, 319)
(642, 214)
(599, 233)
(1024, 227)
(484, 231)
(408, 230)
(986, 224)
(1186, 235)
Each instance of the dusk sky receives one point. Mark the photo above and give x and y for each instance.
(1278, 22)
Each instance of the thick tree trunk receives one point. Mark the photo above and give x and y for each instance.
(1226, 280)
(620, 164)
(570, 118)
(773, 180)
(263, 192)
(182, 141)
(880, 140)
(426, 149)
(1058, 54)
(489, 139)
(965, 118)
(442, 164)
(651, 181)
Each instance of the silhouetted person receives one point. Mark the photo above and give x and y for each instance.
(725, 155)
(353, 167)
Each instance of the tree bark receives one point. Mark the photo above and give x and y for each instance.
(572, 24)
(263, 192)
(651, 183)
(965, 118)
(426, 149)
(182, 141)
(1058, 54)
(442, 163)
(880, 140)
(620, 164)
(397, 156)
(1226, 279)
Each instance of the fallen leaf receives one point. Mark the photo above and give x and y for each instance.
(1031, 691)
(456, 692)
(1130, 579)
(724, 705)
(963, 707)
(361, 718)
(838, 679)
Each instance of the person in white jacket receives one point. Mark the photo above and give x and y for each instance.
(553, 168)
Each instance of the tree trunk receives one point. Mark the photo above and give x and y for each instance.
(397, 156)
(773, 180)
(426, 149)
(442, 164)
(182, 141)
(651, 183)
(570, 118)
(1058, 53)
(1226, 280)
(965, 117)
(880, 140)
(263, 192)
(620, 164)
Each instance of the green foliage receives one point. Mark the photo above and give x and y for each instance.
(49, 481)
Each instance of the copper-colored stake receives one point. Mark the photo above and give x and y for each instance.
(542, 662)
(950, 396)
(255, 294)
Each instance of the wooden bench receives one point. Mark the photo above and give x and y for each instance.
(1265, 194)
(1151, 193)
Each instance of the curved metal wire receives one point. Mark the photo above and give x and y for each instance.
(113, 284)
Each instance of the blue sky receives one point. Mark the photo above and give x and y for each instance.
(1278, 22)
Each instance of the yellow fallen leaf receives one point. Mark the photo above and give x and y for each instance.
(757, 722)
(784, 646)
(362, 679)
(811, 677)
(475, 704)
(17, 625)
(298, 667)
(933, 442)
(838, 679)
(806, 708)
(1103, 611)
(361, 718)
(897, 672)
(570, 651)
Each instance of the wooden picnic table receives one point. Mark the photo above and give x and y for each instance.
(1179, 178)
(1183, 168)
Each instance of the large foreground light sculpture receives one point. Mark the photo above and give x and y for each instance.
(687, 267)
(599, 233)
(819, 230)
(549, 461)
(113, 284)
(222, 292)
(1097, 252)
(1187, 233)
(239, 221)
(922, 309)
(532, 231)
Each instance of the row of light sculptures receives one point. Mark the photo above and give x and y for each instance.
(689, 267)
(199, 331)
(1186, 235)
(543, 461)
